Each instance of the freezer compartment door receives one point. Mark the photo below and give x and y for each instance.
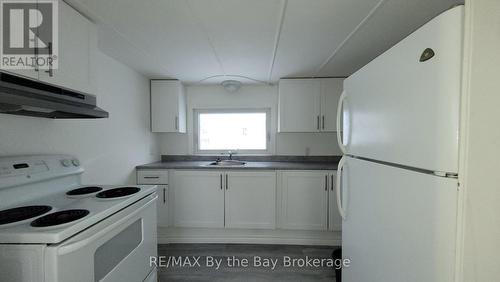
(403, 107)
(399, 225)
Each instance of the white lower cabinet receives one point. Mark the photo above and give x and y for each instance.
(250, 200)
(198, 199)
(162, 206)
(237, 199)
(308, 201)
(159, 178)
(304, 200)
(224, 199)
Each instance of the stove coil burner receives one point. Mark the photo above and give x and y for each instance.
(59, 217)
(117, 192)
(22, 213)
(84, 191)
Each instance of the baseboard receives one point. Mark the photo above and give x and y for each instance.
(247, 236)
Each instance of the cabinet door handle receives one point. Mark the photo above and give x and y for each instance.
(36, 56)
(326, 182)
(50, 71)
(164, 195)
(323, 121)
(227, 183)
(221, 181)
(151, 177)
(317, 122)
(332, 182)
(176, 123)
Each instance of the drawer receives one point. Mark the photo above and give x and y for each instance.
(152, 177)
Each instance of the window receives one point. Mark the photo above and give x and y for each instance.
(244, 131)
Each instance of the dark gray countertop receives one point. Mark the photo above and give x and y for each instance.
(248, 165)
(252, 163)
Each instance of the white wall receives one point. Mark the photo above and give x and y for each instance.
(479, 170)
(249, 96)
(109, 149)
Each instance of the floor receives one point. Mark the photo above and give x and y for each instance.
(199, 263)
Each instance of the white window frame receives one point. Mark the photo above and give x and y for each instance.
(196, 131)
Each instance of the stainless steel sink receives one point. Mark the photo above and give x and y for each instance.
(228, 163)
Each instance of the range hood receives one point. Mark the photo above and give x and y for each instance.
(21, 96)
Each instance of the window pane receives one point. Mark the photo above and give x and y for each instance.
(232, 131)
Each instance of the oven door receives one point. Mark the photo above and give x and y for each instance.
(116, 249)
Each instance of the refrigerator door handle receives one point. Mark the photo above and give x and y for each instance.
(338, 187)
(339, 115)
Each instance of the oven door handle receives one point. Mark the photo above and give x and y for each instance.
(82, 242)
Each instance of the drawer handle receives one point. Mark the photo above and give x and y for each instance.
(151, 177)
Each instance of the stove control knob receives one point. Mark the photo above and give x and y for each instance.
(66, 162)
(75, 162)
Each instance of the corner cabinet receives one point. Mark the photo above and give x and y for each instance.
(308, 201)
(168, 106)
(308, 105)
(229, 199)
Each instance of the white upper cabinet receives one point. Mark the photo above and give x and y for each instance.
(168, 106)
(250, 200)
(77, 52)
(308, 105)
(299, 105)
(77, 49)
(331, 89)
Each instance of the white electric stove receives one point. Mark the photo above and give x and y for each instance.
(54, 229)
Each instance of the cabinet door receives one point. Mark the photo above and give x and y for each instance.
(331, 89)
(168, 106)
(159, 178)
(250, 200)
(299, 105)
(162, 206)
(304, 200)
(198, 199)
(334, 219)
(31, 72)
(76, 47)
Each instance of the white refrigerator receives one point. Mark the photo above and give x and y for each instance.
(398, 180)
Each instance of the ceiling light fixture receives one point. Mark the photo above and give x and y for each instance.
(231, 86)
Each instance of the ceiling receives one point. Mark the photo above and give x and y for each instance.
(207, 41)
